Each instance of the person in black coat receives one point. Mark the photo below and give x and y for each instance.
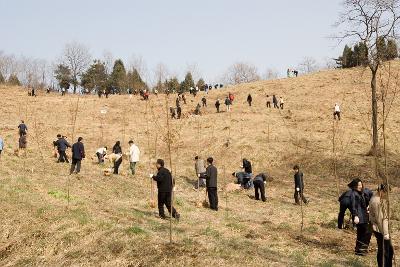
(249, 99)
(217, 105)
(22, 129)
(117, 150)
(78, 153)
(359, 209)
(62, 146)
(345, 204)
(299, 186)
(204, 101)
(165, 186)
(212, 184)
(275, 101)
(248, 173)
(259, 186)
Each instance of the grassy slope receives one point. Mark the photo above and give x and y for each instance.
(109, 221)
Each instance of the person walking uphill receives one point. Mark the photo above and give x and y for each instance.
(212, 184)
(78, 154)
(249, 99)
(62, 146)
(117, 150)
(22, 129)
(380, 225)
(299, 186)
(165, 187)
(217, 105)
(275, 101)
(359, 210)
(336, 112)
(134, 154)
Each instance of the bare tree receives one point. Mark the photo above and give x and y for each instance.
(308, 65)
(76, 56)
(138, 63)
(241, 72)
(108, 60)
(194, 69)
(271, 74)
(370, 22)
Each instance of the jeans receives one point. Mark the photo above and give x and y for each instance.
(75, 163)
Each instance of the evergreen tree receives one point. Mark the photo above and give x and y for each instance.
(382, 49)
(13, 80)
(63, 76)
(2, 80)
(118, 76)
(347, 57)
(134, 81)
(362, 54)
(95, 77)
(200, 83)
(173, 85)
(187, 83)
(391, 50)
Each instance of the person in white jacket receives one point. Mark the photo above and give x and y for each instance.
(134, 154)
(380, 225)
(336, 112)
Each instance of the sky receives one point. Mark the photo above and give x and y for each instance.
(211, 34)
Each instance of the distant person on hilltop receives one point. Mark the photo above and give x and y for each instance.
(295, 72)
(179, 112)
(288, 73)
(336, 112)
(197, 110)
(299, 186)
(249, 99)
(217, 105)
(275, 101)
(231, 97)
(78, 154)
(268, 102)
(22, 128)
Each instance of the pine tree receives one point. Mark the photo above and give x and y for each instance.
(391, 50)
(13, 80)
(63, 76)
(118, 76)
(134, 81)
(187, 83)
(173, 85)
(347, 57)
(200, 84)
(362, 54)
(95, 77)
(382, 48)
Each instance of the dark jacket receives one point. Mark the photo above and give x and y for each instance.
(211, 176)
(164, 180)
(274, 99)
(359, 204)
(22, 128)
(61, 144)
(247, 166)
(78, 151)
(249, 98)
(260, 177)
(298, 180)
(117, 149)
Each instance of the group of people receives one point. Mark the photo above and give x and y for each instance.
(278, 103)
(369, 215)
(292, 73)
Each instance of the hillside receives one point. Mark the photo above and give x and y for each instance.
(109, 221)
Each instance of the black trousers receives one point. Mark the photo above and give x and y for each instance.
(213, 197)
(75, 166)
(217, 109)
(385, 251)
(268, 104)
(342, 212)
(63, 157)
(117, 163)
(298, 195)
(363, 238)
(336, 114)
(259, 188)
(249, 103)
(164, 198)
(276, 105)
(281, 105)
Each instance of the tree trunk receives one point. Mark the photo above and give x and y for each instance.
(374, 117)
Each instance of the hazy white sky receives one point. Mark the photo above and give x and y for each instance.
(211, 33)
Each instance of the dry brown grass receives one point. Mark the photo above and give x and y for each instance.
(109, 221)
